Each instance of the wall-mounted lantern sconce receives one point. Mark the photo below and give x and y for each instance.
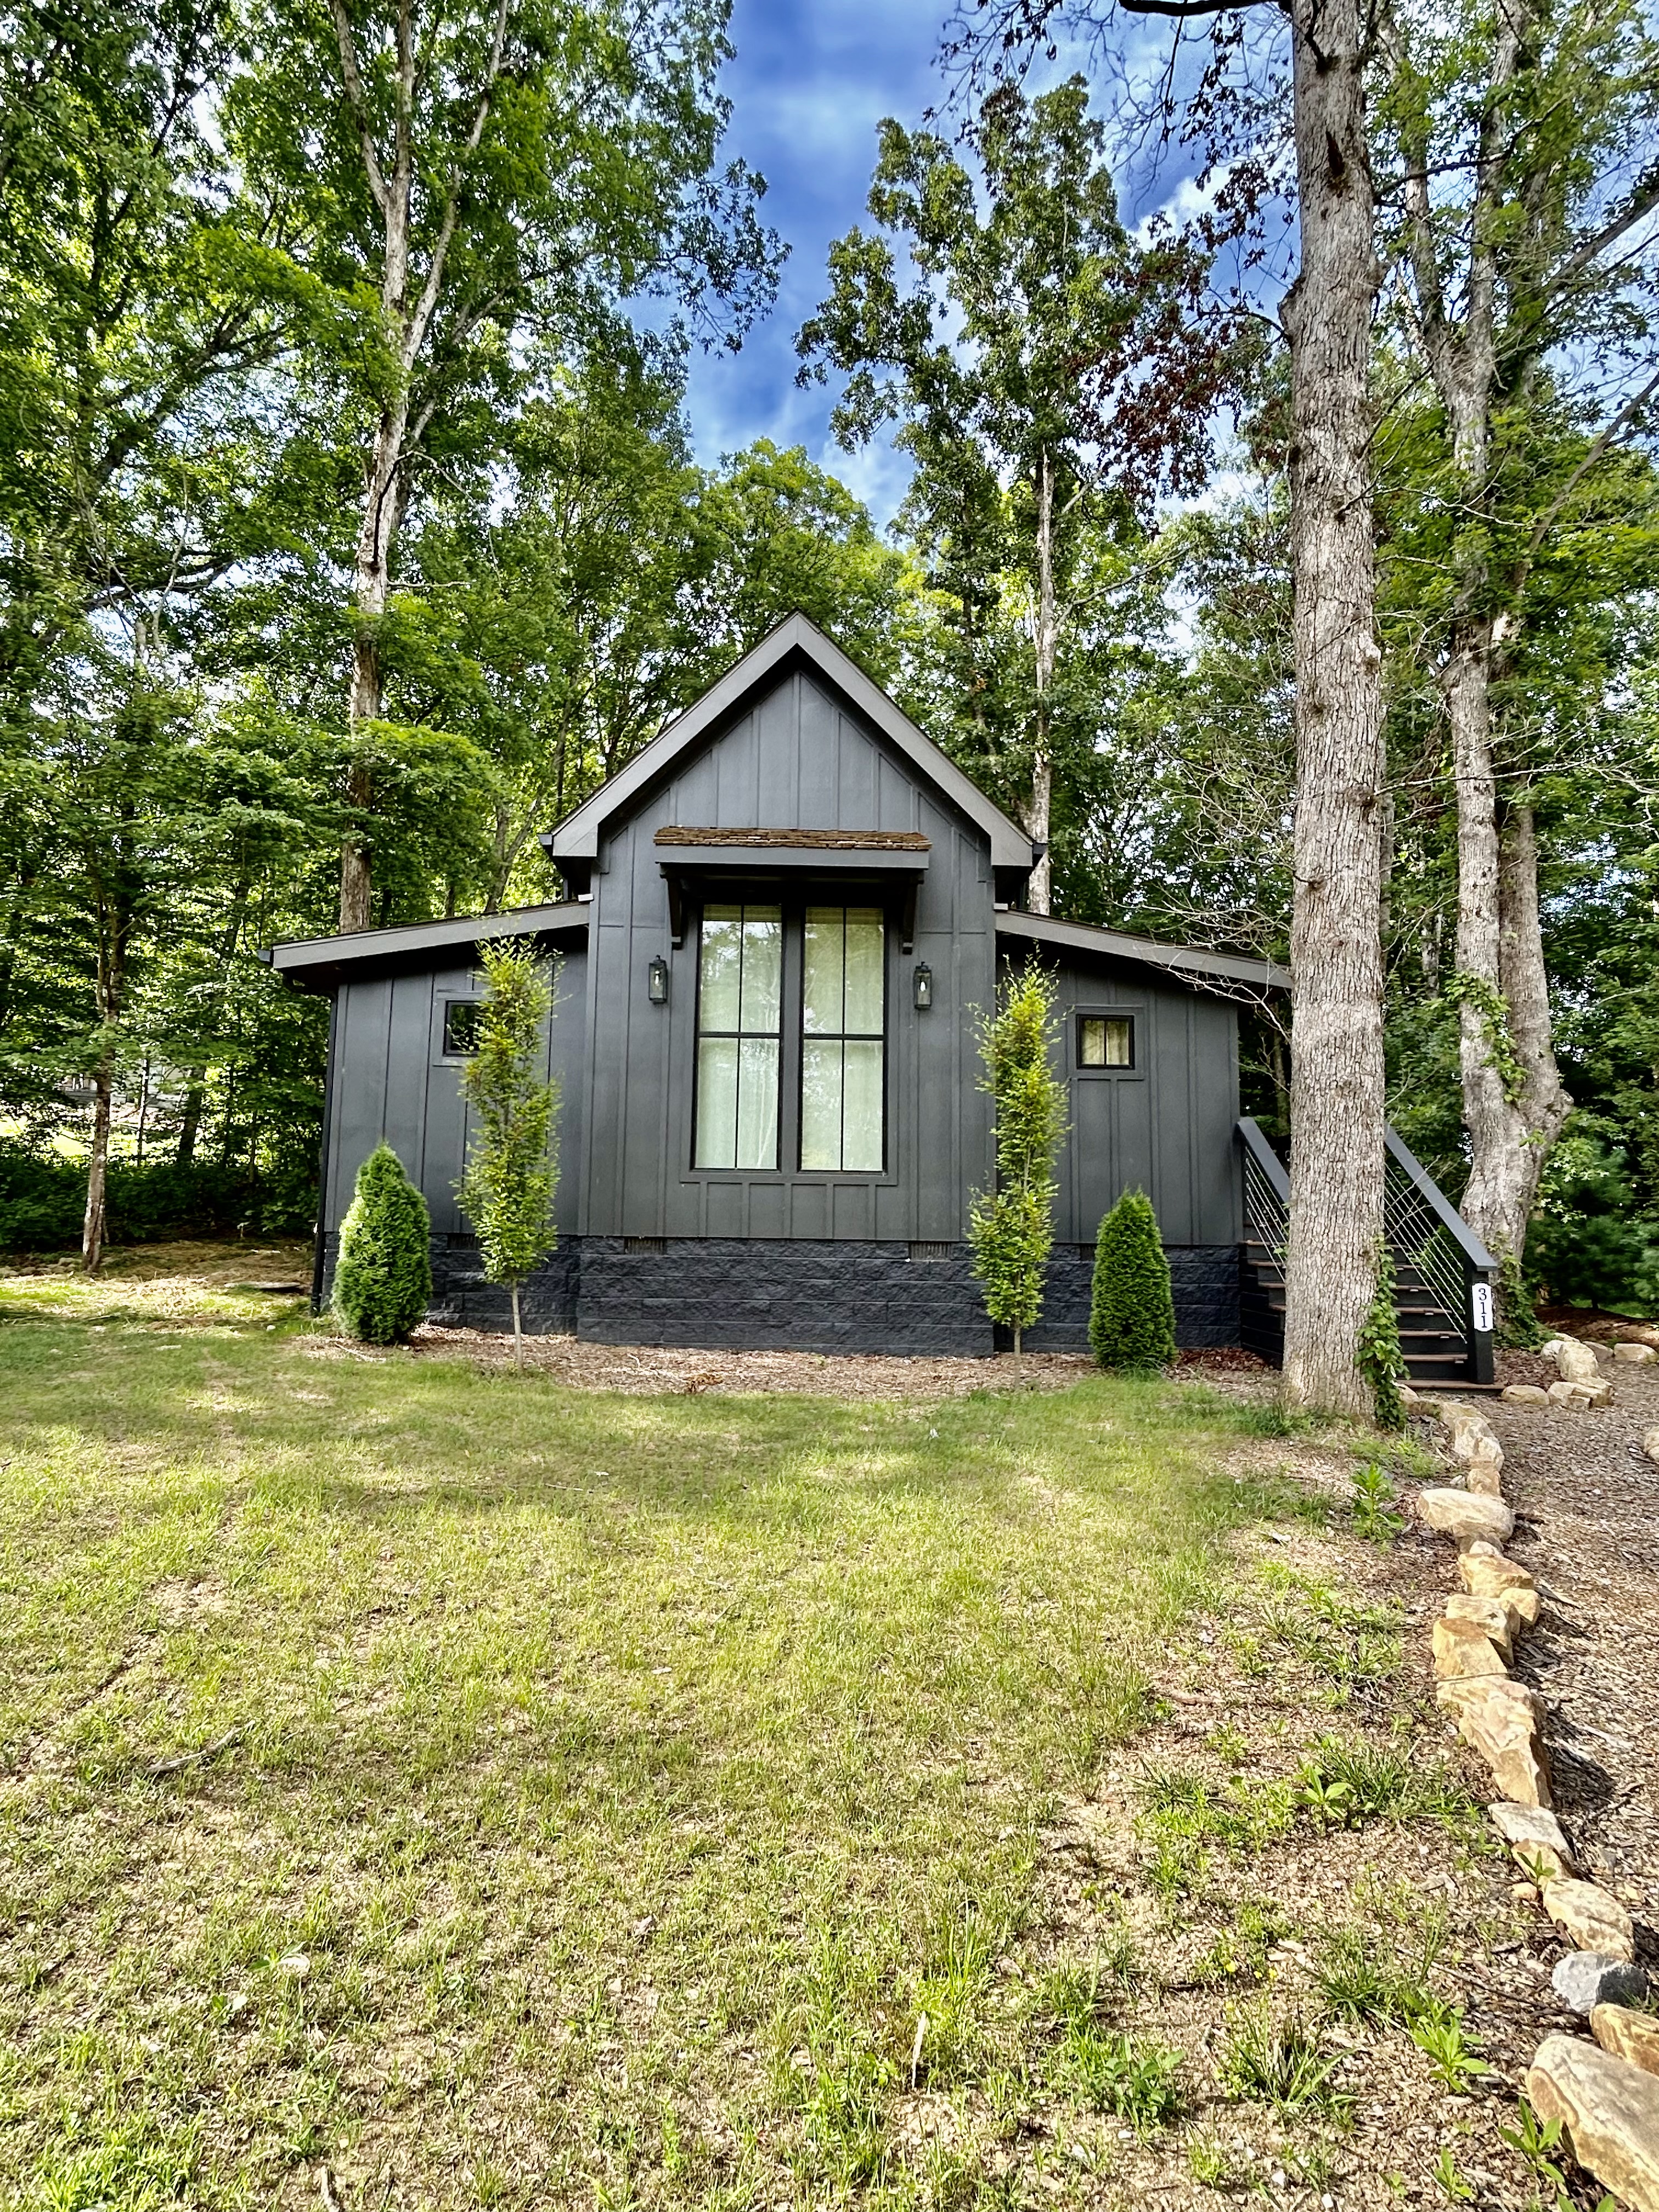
(924, 984)
(657, 981)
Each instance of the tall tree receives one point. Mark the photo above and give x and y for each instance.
(1046, 372)
(1523, 227)
(1337, 1073)
(483, 174)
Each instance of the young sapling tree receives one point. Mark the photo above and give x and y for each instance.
(512, 1173)
(1010, 1229)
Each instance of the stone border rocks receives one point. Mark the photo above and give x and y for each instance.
(1605, 2092)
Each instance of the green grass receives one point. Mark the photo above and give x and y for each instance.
(602, 1789)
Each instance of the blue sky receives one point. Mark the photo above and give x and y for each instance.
(811, 80)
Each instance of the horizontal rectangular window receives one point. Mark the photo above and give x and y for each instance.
(739, 1028)
(843, 1049)
(460, 1028)
(1105, 1041)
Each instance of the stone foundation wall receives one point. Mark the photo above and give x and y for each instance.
(772, 1294)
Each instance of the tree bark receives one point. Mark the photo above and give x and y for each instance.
(1336, 1066)
(1045, 627)
(94, 1225)
(1517, 1132)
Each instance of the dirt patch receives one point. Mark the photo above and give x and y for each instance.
(651, 1369)
(1586, 1498)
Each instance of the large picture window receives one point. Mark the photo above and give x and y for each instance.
(843, 1021)
(739, 1022)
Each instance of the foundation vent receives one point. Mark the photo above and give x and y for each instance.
(920, 1249)
(645, 1243)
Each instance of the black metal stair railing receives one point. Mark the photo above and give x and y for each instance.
(1444, 1275)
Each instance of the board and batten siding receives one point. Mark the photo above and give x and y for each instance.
(798, 758)
(1164, 1126)
(389, 1080)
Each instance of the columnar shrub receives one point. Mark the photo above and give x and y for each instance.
(383, 1277)
(511, 1165)
(1010, 1229)
(1132, 1311)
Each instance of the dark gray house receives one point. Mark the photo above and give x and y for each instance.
(780, 920)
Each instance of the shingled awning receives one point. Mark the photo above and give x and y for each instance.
(690, 854)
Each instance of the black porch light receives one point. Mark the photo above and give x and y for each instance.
(924, 984)
(657, 981)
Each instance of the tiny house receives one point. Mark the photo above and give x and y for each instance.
(782, 920)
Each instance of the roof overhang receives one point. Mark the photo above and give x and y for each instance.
(1231, 975)
(574, 844)
(698, 861)
(321, 964)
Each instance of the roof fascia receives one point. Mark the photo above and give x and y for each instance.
(1187, 962)
(299, 956)
(578, 837)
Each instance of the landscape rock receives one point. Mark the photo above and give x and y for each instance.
(1585, 1980)
(1522, 1607)
(1576, 1362)
(1591, 1917)
(1535, 1837)
(1488, 1614)
(1462, 1647)
(1609, 2111)
(1579, 1397)
(1502, 1721)
(1484, 1478)
(1485, 1573)
(1651, 1445)
(1524, 1394)
(1632, 2036)
(1465, 1513)
(1635, 1355)
(1407, 1397)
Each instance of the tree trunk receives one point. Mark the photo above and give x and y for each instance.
(382, 511)
(1517, 1132)
(1336, 1063)
(95, 1226)
(1044, 643)
(518, 1333)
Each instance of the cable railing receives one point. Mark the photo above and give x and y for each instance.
(1445, 1274)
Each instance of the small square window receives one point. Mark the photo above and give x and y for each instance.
(460, 1029)
(1105, 1041)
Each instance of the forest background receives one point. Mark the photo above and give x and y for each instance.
(351, 532)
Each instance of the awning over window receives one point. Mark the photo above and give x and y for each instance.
(693, 858)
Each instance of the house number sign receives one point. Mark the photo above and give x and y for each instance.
(1480, 1301)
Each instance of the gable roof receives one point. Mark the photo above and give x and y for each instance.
(794, 640)
(1186, 963)
(316, 963)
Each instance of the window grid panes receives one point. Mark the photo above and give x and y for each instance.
(843, 1051)
(1105, 1041)
(739, 1027)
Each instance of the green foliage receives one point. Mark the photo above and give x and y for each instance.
(1592, 1241)
(1492, 1009)
(1454, 2057)
(1280, 2063)
(383, 1275)
(42, 1196)
(1374, 1503)
(512, 1167)
(1131, 1309)
(1346, 1782)
(1011, 1229)
(1378, 1355)
(1131, 2077)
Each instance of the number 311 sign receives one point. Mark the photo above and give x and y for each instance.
(1481, 1308)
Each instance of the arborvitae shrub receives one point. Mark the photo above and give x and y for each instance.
(383, 1277)
(1132, 1313)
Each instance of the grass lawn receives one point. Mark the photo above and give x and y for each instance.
(598, 1789)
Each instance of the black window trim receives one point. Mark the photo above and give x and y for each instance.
(794, 899)
(448, 1054)
(742, 901)
(1085, 1011)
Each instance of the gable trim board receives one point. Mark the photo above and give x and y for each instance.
(794, 784)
